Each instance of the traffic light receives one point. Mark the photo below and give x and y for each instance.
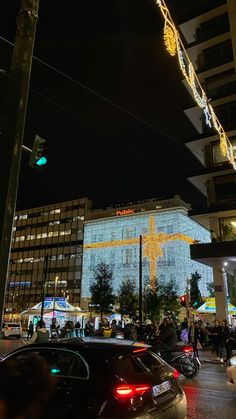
(37, 157)
(182, 300)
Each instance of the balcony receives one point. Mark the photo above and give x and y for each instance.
(208, 253)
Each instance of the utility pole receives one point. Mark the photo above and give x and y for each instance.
(13, 131)
(140, 282)
(187, 301)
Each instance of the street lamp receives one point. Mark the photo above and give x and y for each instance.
(54, 294)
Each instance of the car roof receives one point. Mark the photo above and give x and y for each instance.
(109, 345)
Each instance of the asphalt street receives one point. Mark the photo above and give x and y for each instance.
(208, 394)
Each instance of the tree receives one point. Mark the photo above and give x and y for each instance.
(211, 289)
(231, 288)
(102, 288)
(195, 294)
(169, 298)
(127, 298)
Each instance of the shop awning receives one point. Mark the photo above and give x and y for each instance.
(210, 307)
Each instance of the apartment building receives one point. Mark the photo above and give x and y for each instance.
(210, 34)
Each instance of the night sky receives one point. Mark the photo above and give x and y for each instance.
(114, 121)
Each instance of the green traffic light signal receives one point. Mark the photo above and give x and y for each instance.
(41, 161)
(37, 157)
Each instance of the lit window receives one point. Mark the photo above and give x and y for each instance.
(23, 217)
(65, 233)
(55, 211)
(52, 223)
(20, 238)
(30, 237)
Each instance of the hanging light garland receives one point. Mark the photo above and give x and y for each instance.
(175, 46)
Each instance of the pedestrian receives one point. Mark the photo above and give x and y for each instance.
(77, 328)
(25, 387)
(217, 340)
(167, 339)
(41, 334)
(30, 330)
(226, 337)
(193, 337)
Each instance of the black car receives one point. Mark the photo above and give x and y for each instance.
(108, 378)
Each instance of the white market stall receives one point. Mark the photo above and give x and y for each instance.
(54, 307)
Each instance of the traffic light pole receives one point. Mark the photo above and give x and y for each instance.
(13, 131)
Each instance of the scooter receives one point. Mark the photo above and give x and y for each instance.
(183, 360)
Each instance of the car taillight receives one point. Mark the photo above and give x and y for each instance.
(175, 374)
(135, 351)
(126, 391)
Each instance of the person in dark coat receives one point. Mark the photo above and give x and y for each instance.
(217, 340)
(193, 337)
(226, 340)
(167, 338)
(30, 330)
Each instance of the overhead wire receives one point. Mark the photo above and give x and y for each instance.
(100, 96)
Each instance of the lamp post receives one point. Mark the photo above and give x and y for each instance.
(54, 294)
(45, 270)
(140, 283)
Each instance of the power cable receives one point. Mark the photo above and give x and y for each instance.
(100, 96)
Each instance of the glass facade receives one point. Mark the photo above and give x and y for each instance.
(55, 231)
(116, 242)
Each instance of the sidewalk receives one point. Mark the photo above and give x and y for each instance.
(208, 357)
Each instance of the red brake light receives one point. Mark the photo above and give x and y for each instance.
(187, 349)
(126, 391)
(175, 374)
(139, 350)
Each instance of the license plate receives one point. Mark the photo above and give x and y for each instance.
(161, 388)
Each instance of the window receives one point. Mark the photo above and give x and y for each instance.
(218, 157)
(55, 211)
(216, 55)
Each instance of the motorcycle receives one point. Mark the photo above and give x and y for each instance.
(182, 358)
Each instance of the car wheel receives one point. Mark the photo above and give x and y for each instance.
(3, 335)
(18, 337)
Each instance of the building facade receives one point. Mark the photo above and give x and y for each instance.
(113, 236)
(210, 34)
(47, 246)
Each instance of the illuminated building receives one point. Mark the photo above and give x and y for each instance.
(54, 230)
(112, 236)
(209, 32)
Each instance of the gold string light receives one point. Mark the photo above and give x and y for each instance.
(175, 46)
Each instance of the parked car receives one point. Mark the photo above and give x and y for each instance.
(10, 329)
(231, 372)
(108, 378)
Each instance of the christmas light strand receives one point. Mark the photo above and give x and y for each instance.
(175, 46)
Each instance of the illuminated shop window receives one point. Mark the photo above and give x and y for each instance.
(52, 223)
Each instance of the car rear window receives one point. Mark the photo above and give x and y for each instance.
(130, 365)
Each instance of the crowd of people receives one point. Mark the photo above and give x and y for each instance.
(217, 336)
